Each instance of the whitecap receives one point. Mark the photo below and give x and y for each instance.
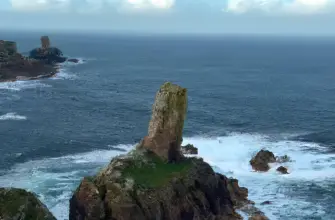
(12, 116)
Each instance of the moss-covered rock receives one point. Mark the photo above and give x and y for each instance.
(149, 188)
(18, 204)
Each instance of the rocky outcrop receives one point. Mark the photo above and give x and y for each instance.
(189, 149)
(260, 162)
(282, 170)
(18, 204)
(167, 122)
(148, 184)
(14, 66)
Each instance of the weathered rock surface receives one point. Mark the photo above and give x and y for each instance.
(18, 204)
(189, 149)
(167, 122)
(260, 162)
(14, 66)
(282, 170)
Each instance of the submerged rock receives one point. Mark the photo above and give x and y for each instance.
(283, 159)
(18, 204)
(14, 66)
(282, 170)
(260, 162)
(189, 149)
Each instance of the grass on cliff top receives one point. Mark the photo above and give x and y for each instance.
(157, 172)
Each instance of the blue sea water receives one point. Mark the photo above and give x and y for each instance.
(245, 93)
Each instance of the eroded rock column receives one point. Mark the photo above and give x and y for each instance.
(167, 122)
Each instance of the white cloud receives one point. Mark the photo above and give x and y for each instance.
(232, 6)
(91, 5)
(280, 6)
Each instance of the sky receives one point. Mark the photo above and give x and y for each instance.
(307, 17)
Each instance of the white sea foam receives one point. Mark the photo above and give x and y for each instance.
(20, 85)
(55, 179)
(12, 116)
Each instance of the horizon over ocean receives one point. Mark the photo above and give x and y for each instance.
(244, 94)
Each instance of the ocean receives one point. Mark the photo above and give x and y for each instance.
(245, 93)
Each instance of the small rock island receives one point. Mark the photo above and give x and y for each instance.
(41, 62)
(14, 66)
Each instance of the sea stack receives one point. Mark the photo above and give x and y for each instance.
(167, 122)
(150, 183)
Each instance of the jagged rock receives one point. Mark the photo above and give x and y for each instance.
(260, 162)
(167, 122)
(189, 149)
(18, 204)
(282, 170)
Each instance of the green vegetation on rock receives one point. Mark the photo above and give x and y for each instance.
(20, 204)
(155, 172)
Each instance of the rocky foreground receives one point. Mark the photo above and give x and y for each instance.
(155, 181)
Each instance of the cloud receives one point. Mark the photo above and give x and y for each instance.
(228, 6)
(90, 5)
(279, 6)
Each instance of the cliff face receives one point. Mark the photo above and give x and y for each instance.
(18, 204)
(146, 184)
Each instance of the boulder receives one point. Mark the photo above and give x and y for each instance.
(260, 162)
(282, 170)
(18, 204)
(189, 149)
(167, 122)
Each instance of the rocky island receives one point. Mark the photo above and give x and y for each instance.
(14, 66)
(155, 180)
(40, 63)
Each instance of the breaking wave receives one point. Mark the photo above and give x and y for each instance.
(12, 116)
